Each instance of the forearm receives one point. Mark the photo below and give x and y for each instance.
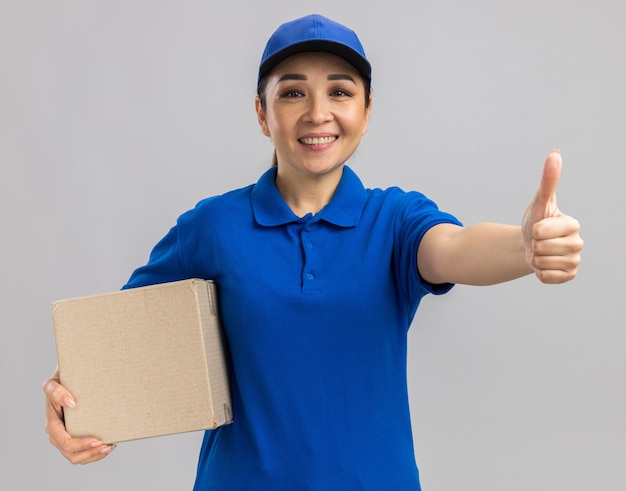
(488, 253)
(480, 254)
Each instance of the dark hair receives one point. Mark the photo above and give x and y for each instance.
(262, 87)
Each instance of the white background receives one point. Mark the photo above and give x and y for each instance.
(117, 116)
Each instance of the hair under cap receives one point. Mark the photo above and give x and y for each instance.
(314, 33)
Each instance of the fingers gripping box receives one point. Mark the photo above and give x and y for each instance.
(143, 362)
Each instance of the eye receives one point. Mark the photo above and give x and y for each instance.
(340, 93)
(291, 94)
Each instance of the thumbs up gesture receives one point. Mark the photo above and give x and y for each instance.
(552, 240)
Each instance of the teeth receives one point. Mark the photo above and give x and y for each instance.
(318, 140)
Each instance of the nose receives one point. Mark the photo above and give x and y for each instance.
(318, 109)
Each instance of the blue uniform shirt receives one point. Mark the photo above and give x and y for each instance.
(316, 312)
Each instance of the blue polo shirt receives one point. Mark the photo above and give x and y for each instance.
(316, 312)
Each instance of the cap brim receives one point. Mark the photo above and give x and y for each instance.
(317, 45)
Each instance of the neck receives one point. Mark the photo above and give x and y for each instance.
(306, 195)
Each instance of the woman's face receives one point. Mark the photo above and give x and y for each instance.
(315, 112)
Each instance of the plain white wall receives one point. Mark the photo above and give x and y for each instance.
(117, 116)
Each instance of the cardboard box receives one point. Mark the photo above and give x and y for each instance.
(143, 362)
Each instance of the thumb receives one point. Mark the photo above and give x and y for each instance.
(546, 194)
(58, 394)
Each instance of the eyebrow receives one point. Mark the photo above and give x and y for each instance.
(332, 76)
(292, 76)
(341, 76)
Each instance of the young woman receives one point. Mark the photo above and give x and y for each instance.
(320, 279)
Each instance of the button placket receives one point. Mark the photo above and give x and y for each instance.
(308, 273)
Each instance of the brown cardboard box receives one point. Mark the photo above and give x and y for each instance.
(143, 362)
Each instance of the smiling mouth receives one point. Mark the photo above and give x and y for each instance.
(322, 140)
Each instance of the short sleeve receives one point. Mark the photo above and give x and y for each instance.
(164, 264)
(416, 215)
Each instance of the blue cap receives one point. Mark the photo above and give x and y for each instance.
(314, 33)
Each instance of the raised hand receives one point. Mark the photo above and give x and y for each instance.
(552, 240)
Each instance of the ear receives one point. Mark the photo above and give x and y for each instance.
(368, 111)
(261, 115)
